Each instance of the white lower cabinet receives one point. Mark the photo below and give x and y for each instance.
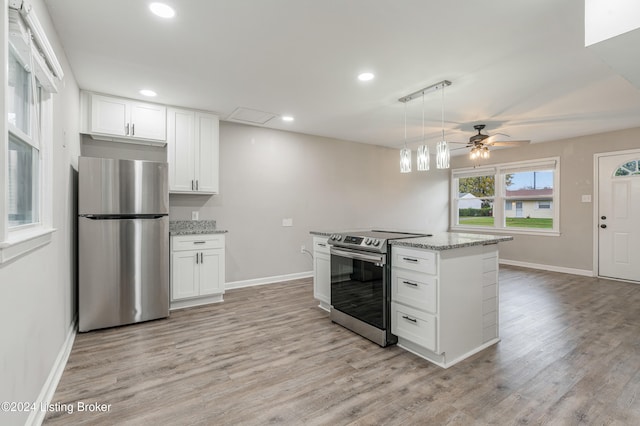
(322, 272)
(197, 269)
(444, 304)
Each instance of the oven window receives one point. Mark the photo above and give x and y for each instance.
(357, 289)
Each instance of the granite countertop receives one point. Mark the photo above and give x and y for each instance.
(193, 227)
(450, 240)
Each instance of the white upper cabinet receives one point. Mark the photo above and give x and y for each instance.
(124, 120)
(193, 151)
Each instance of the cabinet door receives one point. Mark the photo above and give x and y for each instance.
(180, 148)
(211, 277)
(322, 277)
(148, 121)
(109, 116)
(184, 282)
(207, 161)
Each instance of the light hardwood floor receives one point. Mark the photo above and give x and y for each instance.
(570, 354)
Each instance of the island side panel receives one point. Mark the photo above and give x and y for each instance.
(461, 299)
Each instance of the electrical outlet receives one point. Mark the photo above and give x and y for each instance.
(302, 248)
(287, 221)
(194, 215)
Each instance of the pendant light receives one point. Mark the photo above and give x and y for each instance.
(405, 153)
(443, 154)
(423, 150)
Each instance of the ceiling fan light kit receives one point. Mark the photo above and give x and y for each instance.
(442, 155)
(480, 143)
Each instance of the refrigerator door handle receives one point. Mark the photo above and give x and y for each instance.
(120, 217)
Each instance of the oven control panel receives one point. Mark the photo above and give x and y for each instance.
(350, 240)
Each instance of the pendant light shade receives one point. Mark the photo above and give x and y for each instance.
(405, 160)
(423, 150)
(443, 154)
(405, 153)
(423, 158)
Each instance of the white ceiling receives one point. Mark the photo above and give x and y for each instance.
(518, 66)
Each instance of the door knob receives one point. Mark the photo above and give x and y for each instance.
(603, 226)
(603, 217)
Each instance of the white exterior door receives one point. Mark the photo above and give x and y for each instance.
(619, 216)
(518, 208)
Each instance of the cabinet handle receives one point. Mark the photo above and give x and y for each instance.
(197, 259)
(408, 318)
(196, 184)
(199, 242)
(126, 129)
(322, 245)
(408, 259)
(192, 185)
(410, 283)
(201, 257)
(133, 129)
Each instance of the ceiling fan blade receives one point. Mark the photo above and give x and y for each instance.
(508, 143)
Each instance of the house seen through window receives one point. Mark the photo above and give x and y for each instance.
(516, 196)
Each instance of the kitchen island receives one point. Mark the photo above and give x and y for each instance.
(444, 293)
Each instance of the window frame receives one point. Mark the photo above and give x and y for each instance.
(499, 199)
(18, 240)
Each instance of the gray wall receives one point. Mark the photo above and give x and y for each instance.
(37, 290)
(322, 184)
(574, 247)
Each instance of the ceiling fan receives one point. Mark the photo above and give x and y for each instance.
(480, 143)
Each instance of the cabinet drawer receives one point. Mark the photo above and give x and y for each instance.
(413, 325)
(320, 245)
(197, 242)
(415, 260)
(419, 291)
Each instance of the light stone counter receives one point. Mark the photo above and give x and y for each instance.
(194, 227)
(450, 240)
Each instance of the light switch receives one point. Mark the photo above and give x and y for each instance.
(586, 198)
(194, 215)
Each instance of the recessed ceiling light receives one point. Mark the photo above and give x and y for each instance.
(287, 118)
(162, 10)
(366, 76)
(147, 92)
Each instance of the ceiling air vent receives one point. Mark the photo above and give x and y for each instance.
(250, 116)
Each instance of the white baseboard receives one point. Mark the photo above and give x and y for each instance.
(36, 417)
(552, 268)
(199, 301)
(267, 280)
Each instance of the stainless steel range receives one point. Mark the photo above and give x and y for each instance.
(361, 283)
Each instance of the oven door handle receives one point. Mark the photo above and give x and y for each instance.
(377, 259)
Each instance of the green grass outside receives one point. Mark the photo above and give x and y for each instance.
(515, 222)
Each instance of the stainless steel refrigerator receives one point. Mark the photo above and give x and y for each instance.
(123, 247)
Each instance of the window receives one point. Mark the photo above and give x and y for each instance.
(475, 200)
(627, 169)
(23, 157)
(514, 197)
(30, 73)
(544, 205)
